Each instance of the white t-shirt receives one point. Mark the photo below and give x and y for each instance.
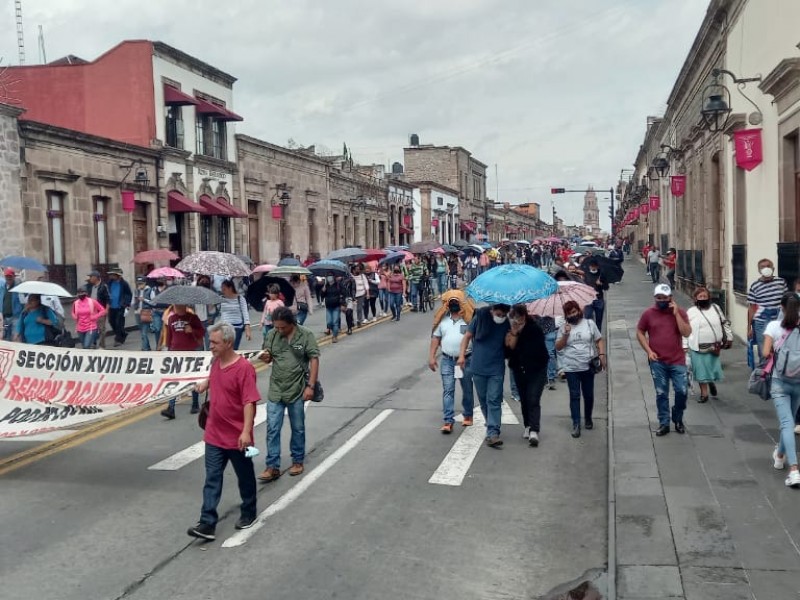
(776, 332)
(581, 346)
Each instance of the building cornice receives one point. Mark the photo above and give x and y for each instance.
(8, 110)
(242, 139)
(41, 131)
(433, 184)
(783, 83)
(70, 176)
(202, 68)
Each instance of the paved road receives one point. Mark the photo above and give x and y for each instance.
(94, 522)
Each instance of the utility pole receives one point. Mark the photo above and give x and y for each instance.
(20, 35)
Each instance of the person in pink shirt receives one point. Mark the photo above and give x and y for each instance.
(86, 311)
(273, 302)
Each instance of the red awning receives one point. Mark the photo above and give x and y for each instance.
(178, 203)
(230, 116)
(174, 97)
(236, 213)
(213, 207)
(468, 226)
(215, 110)
(406, 231)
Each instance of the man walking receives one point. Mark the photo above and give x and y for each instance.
(415, 272)
(487, 332)
(448, 335)
(119, 299)
(11, 304)
(97, 290)
(660, 332)
(763, 302)
(653, 264)
(292, 349)
(596, 310)
(229, 430)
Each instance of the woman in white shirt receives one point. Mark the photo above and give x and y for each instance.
(710, 331)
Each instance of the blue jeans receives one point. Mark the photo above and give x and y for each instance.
(513, 385)
(238, 339)
(396, 303)
(383, 299)
(595, 311)
(662, 375)
(195, 401)
(265, 329)
(88, 338)
(441, 282)
(414, 294)
(655, 271)
(216, 461)
(760, 324)
(577, 382)
(333, 317)
(144, 332)
(786, 398)
(490, 396)
(297, 422)
(302, 315)
(552, 364)
(447, 370)
(157, 325)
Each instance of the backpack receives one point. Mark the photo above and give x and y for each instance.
(787, 358)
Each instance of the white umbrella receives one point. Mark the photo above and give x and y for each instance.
(480, 249)
(44, 288)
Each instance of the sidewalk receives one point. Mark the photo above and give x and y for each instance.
(701, 516)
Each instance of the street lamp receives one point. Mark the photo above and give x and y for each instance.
(717, 100)
(280, 200)
(661, 165)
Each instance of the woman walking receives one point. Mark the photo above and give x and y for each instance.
(85, 312)
(233, 309)
(32, 323)
(710, 333)
(397, 289)
(301, 307)
(334, 296)
(527, 358)
(273, 301)
(383, 289)
(579, 342)
(371, 304)
(785, 393)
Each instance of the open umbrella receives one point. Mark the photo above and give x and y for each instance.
(423, 247)
(553, 306)
(461, 243)
(289, 261)
(257, 291)
(214, 263)
(326, 267)
(396, 248)
(392, 257)
(439, 251)
(45, 288)
(512, 284)
(187, 294)
(264, 268)
(449, 249)
(289, 271)
(154, 256)
(347, 255)
(166, 272)
(523, 242)
(553, 239)
(245, 259)
(23, 262)
(485, 245)
(610, 271)
(374, 254)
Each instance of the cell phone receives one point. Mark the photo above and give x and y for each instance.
(458, 372)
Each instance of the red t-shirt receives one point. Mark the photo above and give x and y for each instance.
(663, 335)
(177, 339)
(230, 389)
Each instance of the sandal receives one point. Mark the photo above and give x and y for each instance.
(702, 399)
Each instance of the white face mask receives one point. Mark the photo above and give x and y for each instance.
(499, 320)
(766, 272)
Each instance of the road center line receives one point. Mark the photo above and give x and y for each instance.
(239, 538)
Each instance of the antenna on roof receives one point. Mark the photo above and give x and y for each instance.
(20, 36)
(42, 52)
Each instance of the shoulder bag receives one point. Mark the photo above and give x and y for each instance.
(202, 416)
(727, 332)
(715, 347)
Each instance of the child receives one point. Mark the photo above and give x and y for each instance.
(273, 302)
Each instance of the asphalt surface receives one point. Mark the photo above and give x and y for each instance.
(93, 522)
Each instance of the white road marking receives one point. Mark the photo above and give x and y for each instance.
(456, 464)
(240, 537)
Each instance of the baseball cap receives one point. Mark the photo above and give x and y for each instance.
(662, 289)
(93, 274)
(10, 272)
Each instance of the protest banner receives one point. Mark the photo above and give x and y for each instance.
(43, 388)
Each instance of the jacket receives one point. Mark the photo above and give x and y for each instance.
(16, 301)
(102, 293)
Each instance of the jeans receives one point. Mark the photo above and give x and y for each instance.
(266, 328)
(530, 386)
(195, 401)
(512, 384)
(441, 282)
(662, 375)
(760, 324)
(786, 398)
(447, 369)
(238, 339)
(88, 338)
(9, 327)
(297, 423)
(157, 325)
(671, 277)
(333, 317)
(360, 301)
(144, 332)
(490, 396)
(383, 298)
(577, 382)
(655, 272)
(552, 364)
(396, 304)
(414, 294)
(595, 311)
(216, 461)
(302, 315)
(370, 304)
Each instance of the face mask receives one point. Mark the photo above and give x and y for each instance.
(703, 303)
(454, 308)
(663, 305)
(499, 320)
(593, 271)
(574, 319)
(397, 272)
(766, 272)
(329, 279)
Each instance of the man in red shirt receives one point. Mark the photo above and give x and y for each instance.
(229, 430)
(184, 333)
(660, 332)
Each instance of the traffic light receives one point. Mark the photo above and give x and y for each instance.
(557, 190)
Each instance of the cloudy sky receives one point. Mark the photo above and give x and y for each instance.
(554, 92)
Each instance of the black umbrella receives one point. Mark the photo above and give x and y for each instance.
(461, 243)
(289, 261)
(257, 291)
(610, 271)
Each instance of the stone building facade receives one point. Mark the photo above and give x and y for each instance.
(11, 223)
(287, 196)
(359, 204)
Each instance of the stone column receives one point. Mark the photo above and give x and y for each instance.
(11, 215)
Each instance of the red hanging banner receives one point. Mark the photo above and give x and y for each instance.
(635, 213)
(644, 208)
(749, 152)
(434, 222)
(277, 211)
(128, 200)
(655, 203)
(407, 220)
(678, 185)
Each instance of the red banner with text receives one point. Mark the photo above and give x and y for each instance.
(678, 185)
(749, 152)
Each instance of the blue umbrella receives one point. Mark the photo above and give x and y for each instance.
(486, 245)
(323, 267)
(395, 248)
(392, 258)
(512, 284)
(347, 255)
(22, 262)
(289, 261)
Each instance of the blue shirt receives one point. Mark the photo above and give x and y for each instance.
(115, 294)
(31, 331)
(488, 353)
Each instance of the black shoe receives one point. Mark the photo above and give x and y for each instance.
(712, 387)
(679, 428)
(349, 331)
(589, 424)
(195, 409)
(203, 531)
(576, 431)
(663, 430)
(702, 399)
(245, 523)
(168, 413)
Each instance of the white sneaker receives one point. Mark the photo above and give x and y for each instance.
(534, 439)
(797, 429)
(793, 480)
(778, 462)
(527, 433)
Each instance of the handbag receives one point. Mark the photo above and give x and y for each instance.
(715, 347)
(727, 332)
(302, 307)
(202, 416)
(596, 365)
(759, 383)
(146, 315)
